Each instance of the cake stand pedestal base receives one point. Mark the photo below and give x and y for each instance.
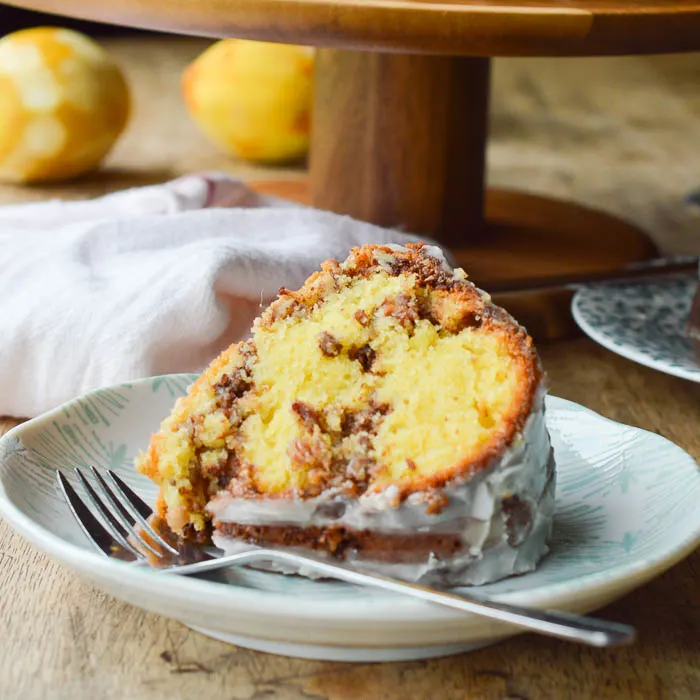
(529, 237)
(399, 140)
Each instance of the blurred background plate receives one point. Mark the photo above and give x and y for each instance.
(645, 323)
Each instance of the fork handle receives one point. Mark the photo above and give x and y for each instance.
(576, 628)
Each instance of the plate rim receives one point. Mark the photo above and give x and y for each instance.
(597, 336)
(363, 610)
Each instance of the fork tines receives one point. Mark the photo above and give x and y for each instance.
(122, 525)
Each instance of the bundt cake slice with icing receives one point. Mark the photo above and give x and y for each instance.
(387, 413)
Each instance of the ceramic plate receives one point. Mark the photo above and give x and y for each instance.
(626, 511)
(642, 322)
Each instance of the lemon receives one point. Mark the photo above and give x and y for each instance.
(63, 104)
(253, 99)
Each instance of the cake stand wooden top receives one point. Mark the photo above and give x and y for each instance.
(452, 27)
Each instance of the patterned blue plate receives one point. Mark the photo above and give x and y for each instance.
(627, 510)
(642, 322)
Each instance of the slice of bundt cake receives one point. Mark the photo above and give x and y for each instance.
(387, 413)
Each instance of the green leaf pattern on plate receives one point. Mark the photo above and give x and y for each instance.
(621, 492)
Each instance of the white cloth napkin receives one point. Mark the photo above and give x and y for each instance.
(147, 281)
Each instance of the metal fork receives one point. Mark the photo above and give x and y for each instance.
(122, 512)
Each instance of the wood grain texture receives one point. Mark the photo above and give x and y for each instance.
(400, 140)
(526, 237)
(619, 134)
(448, 27)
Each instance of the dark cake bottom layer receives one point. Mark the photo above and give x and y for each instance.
(341, 541)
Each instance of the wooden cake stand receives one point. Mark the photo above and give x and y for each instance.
(401, 111)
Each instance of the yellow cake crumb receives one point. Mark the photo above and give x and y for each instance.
(387, 370)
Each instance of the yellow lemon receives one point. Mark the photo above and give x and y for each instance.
(253, 99)
(63, 104)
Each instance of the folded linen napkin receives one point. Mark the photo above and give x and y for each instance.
(147, 281)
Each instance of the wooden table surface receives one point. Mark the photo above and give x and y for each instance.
(623, 134)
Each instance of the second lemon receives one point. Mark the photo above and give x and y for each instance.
(253, 99)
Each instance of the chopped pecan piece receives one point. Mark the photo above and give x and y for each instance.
(309, 416)
(364, 354)
(231, 387)
(213, 463)
(366, 420)
(405, 308)
(329, 345)
(242, 479)
(362, 317)
(310, 451)
(358, 468)
(191, 535)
